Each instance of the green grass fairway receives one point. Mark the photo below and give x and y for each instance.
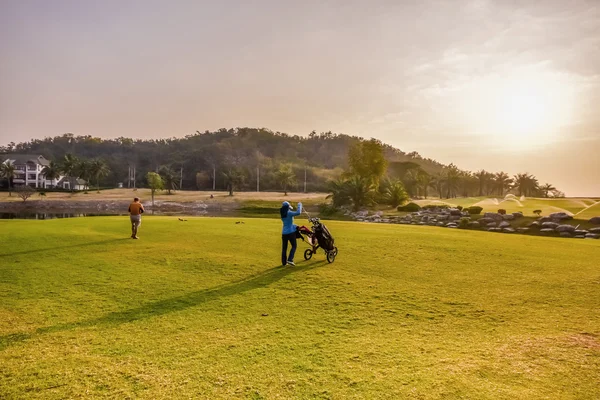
(202, 309)
(459, 201)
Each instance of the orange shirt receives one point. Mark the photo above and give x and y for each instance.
(136, 208)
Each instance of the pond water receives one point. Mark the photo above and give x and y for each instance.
(52, 214)
(48, 215)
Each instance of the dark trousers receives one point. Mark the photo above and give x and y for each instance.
(290, 237)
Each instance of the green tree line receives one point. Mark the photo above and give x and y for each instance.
(371, 179)
(260, 159)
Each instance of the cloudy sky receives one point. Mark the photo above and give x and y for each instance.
(499, 85)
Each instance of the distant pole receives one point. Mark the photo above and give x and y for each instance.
(305, 179)
(257, 179)
(181, 178)
(214, 177)
(134, 176)
(129, 178)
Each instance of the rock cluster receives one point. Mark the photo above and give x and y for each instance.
(566, 230)
(554, 224)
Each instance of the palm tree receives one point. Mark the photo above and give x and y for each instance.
(69, 167)
(526, 184)
(233, 178)
(411, 181)
(394, 193)
(438, 183)
(285, 177)
(501, 182)
(468, 183)
(546, 188)
(84, 170)
(482, 178)
(337, 192)
(426, 181)
(520, 183)
(7, 170)
(169, 178)
(452, 180)
(98, 170)
(361, 191)
(51, 171)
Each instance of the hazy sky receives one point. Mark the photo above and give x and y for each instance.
(501, 85)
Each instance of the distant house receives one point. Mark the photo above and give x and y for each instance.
(72, 183)
(28, 170)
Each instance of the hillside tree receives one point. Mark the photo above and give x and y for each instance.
(367, 161)
(155, 183)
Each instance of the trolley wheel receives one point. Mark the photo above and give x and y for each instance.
(335, 250)
(330, 256)
(308, 254)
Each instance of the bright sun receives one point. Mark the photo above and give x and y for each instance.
(521, 112)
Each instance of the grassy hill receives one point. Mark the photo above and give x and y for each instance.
(583, 207)
(592, 210)
(202, 309)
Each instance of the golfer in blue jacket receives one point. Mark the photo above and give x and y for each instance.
(288, 234)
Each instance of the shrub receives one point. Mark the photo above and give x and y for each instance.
(537, 212)
(502, 211)
(393, 193)
(460, 207)
(475, 210)
(410, 207)
(328, 209)
(24, 192)
(433, 206)
(464, 222)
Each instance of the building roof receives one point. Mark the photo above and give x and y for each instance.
(25, 158)
(73, 181)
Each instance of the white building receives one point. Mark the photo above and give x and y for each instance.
(28, 171)
(72, 183)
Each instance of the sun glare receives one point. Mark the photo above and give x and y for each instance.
(523, 113)
(520, 113)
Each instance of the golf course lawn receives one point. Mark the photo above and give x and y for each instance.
(202, 309)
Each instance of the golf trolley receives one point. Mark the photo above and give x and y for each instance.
(318, 237)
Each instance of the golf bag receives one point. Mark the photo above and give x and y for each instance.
(318, 237)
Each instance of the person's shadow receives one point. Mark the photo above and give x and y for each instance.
(170, 305)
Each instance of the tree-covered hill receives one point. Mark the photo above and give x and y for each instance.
(206, 154)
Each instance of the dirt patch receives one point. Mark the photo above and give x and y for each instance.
(586, 340)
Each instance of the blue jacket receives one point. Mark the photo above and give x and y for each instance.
(288, 221)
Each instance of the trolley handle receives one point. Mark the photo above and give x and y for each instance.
(312, 220)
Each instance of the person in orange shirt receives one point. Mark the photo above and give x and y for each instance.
(135, 216)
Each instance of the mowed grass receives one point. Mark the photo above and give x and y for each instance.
(202, 309)
(591, 211)
(584, 208)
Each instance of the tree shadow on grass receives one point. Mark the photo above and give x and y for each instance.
(71, 246)
(170, 305)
